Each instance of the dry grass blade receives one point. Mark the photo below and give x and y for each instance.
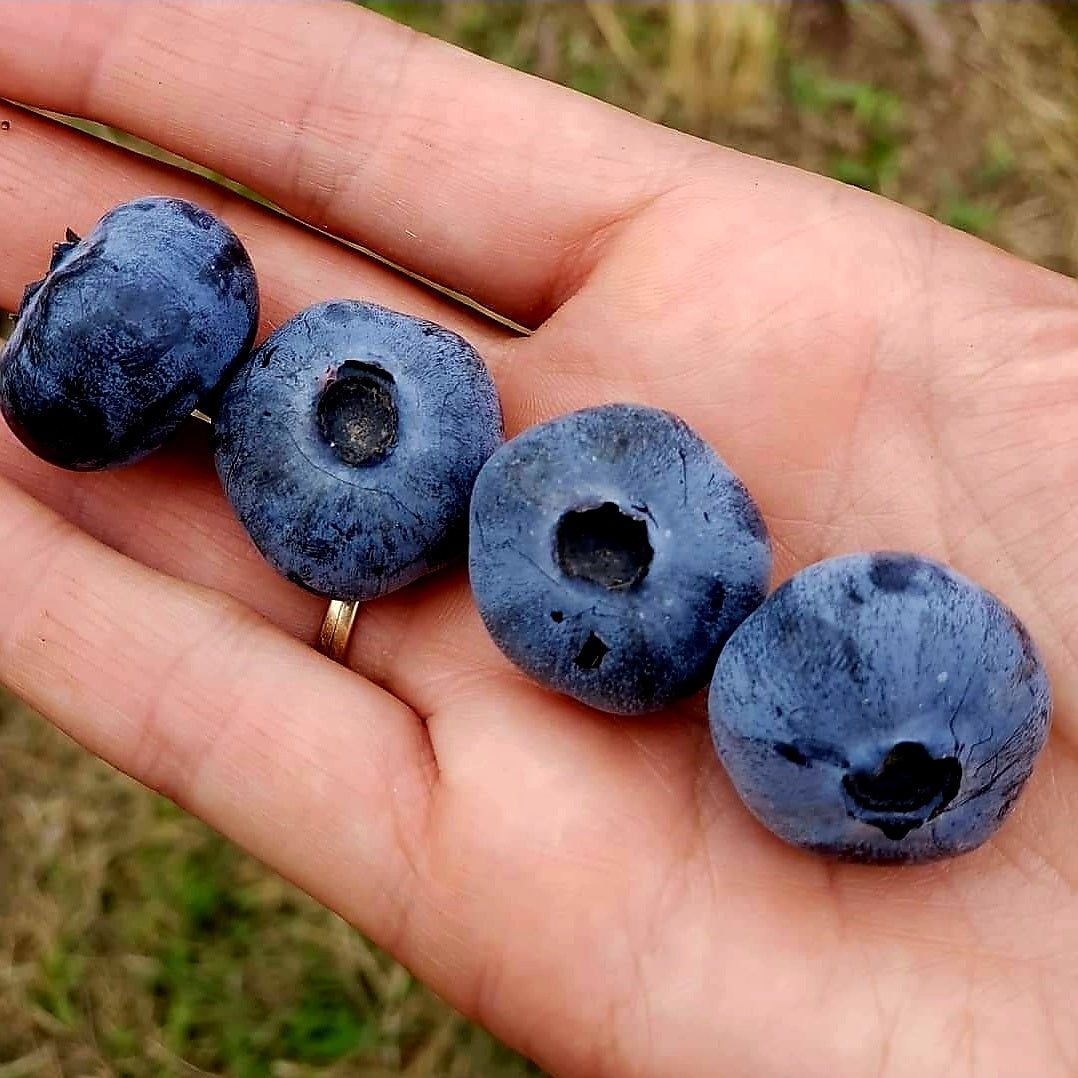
(932, 32)
(172, 1065)
(1034, 65)
(722, 57)
(38, 1064)
(684, 75)
(649, 84)
(431, 1057)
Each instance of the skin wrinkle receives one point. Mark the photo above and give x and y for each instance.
(968, 491)
(1008, 451)
(851, 450)
(101, 61)
(996, 383)
(414, 841)
(972, 1020)
(651, 290)
(400, 896)
(705, 816)
(891, 1023)
(1022, 338)
(478, 998)
(1057, 852)
(317, 199)
(1053, 859)
(481, 1001)
(571, 273)
(158, 755)
(632, 1007)
(990, 525)
(859, 411)
(653, 762)
(888, 1024)
(965, 1042)
(669, 188)
(1066, 1048)
(486, 983)
(834, 884)
(46, 555)
(1067, 881)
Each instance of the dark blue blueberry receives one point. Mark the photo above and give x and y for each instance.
(348, 444)
(880, 707)
(131, 329)
(612, 553)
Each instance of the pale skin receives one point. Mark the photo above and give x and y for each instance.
(588, 888)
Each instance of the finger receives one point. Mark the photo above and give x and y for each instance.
(425, 644)
(330, 781)
(318, 772)
(169, 512)
(53, 178)
(338, 799)
(494, 183)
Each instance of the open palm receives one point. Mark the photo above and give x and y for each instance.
(589, 888)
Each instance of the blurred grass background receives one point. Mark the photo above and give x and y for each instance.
(133, 941)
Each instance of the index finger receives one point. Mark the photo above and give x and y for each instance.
(496, 184)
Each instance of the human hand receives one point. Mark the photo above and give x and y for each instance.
(589, 888)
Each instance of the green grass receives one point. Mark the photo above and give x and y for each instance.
(970, 215)
(875, 161)
(135, 942)
(762, 77)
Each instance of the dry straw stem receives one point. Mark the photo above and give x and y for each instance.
(1029, 61)
(36, 1064)
(722, 56)
(625, 53)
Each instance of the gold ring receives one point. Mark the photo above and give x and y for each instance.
(336, 628)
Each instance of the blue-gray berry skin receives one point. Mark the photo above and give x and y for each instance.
(131, 329)
(611, 553)
(882, 708)
(348, 444)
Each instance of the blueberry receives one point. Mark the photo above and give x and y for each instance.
(611, 554)
(348, 444)
(880, 707)
(131, 329)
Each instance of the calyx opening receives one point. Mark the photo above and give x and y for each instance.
(357, 413)
(910, 787)
(603, 545)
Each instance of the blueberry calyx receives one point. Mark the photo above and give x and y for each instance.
(603, 545)
(909, 788)
(61, 250)
(28, 294)
(131, 329)
(357, 413)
